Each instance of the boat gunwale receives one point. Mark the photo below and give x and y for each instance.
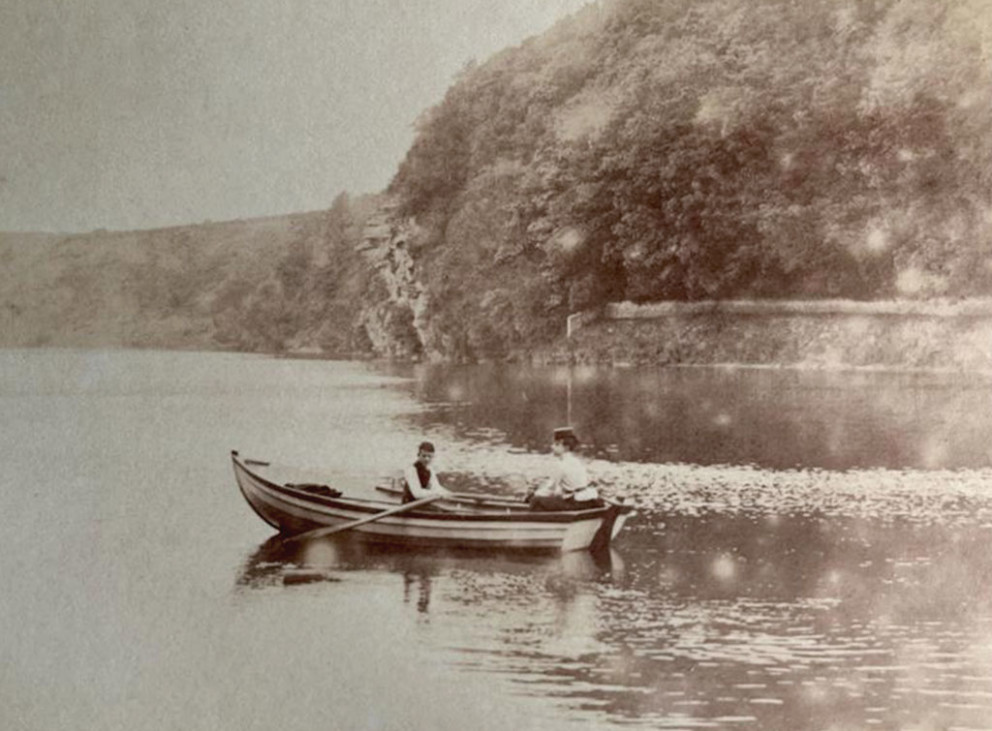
(290, 506)
(371, 507)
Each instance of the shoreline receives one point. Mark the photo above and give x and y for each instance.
(541, 359)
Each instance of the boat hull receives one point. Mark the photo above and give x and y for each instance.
(500, 524)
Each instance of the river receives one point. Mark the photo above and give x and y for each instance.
(810, 550)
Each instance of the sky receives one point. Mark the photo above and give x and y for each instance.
(130, 114)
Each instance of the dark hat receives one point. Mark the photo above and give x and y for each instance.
(426, 447)
(567, 435)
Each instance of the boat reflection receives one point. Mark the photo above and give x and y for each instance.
(279, 563)
(422, 583)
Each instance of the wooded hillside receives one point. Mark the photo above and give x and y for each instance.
(700, 149)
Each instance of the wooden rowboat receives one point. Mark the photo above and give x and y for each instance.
(464, 521)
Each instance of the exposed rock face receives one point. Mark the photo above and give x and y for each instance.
(394, 314)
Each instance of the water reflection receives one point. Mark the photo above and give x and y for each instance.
(770, 418)
(706, 622)
(280, 563)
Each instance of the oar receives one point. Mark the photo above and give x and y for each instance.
(331, 530)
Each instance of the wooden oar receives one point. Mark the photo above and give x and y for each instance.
(464, 497)
(331, 530)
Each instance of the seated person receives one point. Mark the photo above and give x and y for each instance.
(419, 481)
(568, 488)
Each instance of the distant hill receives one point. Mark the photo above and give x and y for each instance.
(275, 283)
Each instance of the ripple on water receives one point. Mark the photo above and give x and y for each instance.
(945, 497)
(652, 657)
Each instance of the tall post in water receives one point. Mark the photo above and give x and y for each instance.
(569, 329)
(568, 387)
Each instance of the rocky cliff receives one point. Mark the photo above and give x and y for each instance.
(394, 312)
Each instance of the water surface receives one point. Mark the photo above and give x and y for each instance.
(810, 551)
(776, 418)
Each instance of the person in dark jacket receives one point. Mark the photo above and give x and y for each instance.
(419, 480)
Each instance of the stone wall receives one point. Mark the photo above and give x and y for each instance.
(828, 334)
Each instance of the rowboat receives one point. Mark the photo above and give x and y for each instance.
(463, 521)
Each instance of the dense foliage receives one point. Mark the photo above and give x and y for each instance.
(696, 149)
(311, 298)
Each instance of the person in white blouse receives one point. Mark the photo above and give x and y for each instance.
(419, 480)
(568, 487)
